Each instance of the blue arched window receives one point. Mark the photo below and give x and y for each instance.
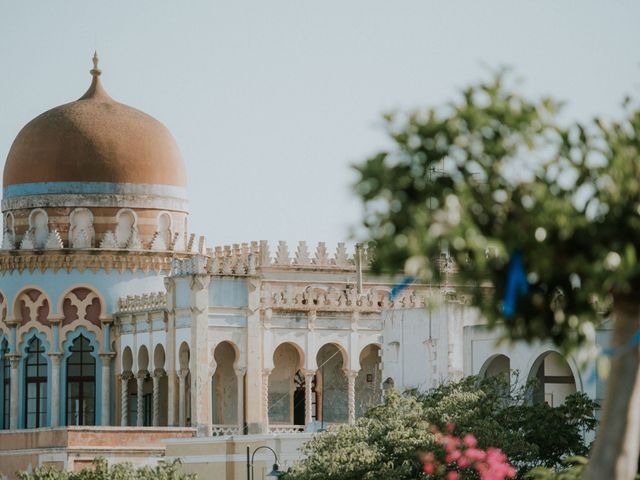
(35, 385)
(81, 383)
(5, 385)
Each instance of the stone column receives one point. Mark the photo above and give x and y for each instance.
(351, 378)
(200, 361)
(55, 388)
(254, 356)
(157, 375)
(182, 407)
(240, 381)
(265, 399)
(124, 398)
(309, 376)
(105, 401)
(13, 421)
(142, 375)
(171, 399)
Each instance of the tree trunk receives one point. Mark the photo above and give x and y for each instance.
(615, 451)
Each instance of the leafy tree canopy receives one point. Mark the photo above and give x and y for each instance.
(493, 173)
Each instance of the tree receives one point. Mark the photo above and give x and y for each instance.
(102, 471)
(385, 443)
(541, 220)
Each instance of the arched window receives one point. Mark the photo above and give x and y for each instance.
(81, 383)
(35, 385)
(5, 386)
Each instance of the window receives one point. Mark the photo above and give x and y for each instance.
(5, 386)
(81, 383)
(35, 385)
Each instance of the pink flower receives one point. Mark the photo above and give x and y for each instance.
(469, 440)
(453, 456)
(453, 476)
(451, 443)
(428, 468)
(475, 454)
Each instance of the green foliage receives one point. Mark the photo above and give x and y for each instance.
(385, 443)
(102, 471)
(382, 445)
(492, 173)
(573, 469)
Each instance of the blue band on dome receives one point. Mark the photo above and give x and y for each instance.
(99, 188)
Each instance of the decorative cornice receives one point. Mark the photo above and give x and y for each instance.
(90, 259)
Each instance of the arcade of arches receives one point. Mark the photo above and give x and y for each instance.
(550, 375)
(296, 397)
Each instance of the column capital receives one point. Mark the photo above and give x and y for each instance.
(266, 371)
(14, 359)
(106, 355)
(240, 371)
(183, 372)
(309, 373)
(126, 376)
(142, 374)
(55, 319)
(159, 373)
(350, 374)
(13, 322)
(55, 357)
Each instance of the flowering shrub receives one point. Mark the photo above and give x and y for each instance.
(461, 458)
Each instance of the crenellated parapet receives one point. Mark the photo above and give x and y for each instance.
(247, 258)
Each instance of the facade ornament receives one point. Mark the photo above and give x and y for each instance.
(8, 242)
(81, 232)
(134, 242)
(282, 254)
(322, 257)
(157, 242)
(190, 243)
(302, 254)
(28, 242)
(54, 242)
(341, 259)
(8, 233)
(109, 241)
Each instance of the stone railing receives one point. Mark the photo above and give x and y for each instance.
(221, 430)
(140, 303)
(286, 428)
(333, 298)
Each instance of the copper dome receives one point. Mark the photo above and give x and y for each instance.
(95, 139)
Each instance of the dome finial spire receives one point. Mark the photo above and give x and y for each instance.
(95, 71)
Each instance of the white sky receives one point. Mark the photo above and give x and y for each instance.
(272, 101)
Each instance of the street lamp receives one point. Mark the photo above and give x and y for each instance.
(275, 470)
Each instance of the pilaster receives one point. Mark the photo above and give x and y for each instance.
(200, 369)
(255, 413)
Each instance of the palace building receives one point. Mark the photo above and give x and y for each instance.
(124, 335)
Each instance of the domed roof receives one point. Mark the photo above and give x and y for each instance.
(95, 139)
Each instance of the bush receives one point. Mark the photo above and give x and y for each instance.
(121, 471)
(385, 443)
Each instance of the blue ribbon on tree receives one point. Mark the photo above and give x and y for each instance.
(397, 288)
(517, 284)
